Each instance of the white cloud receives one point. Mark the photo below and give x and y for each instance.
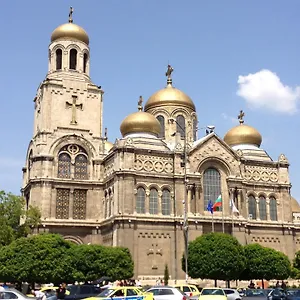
(264, 89)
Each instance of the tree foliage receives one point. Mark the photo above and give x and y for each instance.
(49, 258)
(265, 263)
(215, 256)
(15, 221)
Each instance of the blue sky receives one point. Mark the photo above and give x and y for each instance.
(227, 56)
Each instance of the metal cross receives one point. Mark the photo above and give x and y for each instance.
(241, 117)
(74, 106)
(155, 251)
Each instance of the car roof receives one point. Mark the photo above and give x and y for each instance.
(212, 288)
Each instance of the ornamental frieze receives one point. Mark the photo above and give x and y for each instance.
(260, 174)
(109, 169)
(154, 164)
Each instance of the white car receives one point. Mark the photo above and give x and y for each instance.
(167, 293)
(232, 294)
(14, 294)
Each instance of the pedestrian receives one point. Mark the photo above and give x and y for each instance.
(39, 295)
(283, 285)
(277, 284)
(61, 292)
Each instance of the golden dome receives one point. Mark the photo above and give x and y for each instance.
(243, 134)
(70, 31)
(140, 122)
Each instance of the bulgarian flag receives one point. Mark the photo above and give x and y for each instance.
(218, 203)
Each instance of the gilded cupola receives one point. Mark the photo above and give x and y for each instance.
(169, 96)
(70, 31)
(140, 122)
(243, 134)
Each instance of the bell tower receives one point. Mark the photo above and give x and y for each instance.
(67, 135)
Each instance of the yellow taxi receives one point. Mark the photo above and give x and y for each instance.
(189, 289)
(212, 294)
(123, 292)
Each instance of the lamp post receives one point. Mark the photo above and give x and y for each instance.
(185, 201)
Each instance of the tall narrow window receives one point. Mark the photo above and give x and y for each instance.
(166, 202)
(273, 209)
(252, 207)
(195, 129)
(81, 167)
(262, 208)
(140, 200)
(73, 59)
(153, 202)
(58, 59)
(161, 121)
(79, 204)
(62, 203)
(64, 165)
(180, 125)
(85, 61)
(211, 186)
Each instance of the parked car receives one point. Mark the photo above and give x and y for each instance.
(232, 294)
(11, 293)
(167, 293)
(212, 294)
(255, 294)
(76, 292)
(189, 289)
(277, 294)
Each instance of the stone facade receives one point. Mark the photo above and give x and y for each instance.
(91, 192)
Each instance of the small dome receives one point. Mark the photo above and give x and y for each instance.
(70, 31)
(243, 134)
(108, 146)
(169, 96)
(140, 122)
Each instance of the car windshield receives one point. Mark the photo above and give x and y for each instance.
(206, 292)
(106, 293)
(254, 293)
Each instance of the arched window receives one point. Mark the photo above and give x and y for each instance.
(166, 202)
(195, 129)
(85, 60)
(211, 186)
(73, 59)
(153, 202)
(262, 208)
(81, 167)
(161, 121)
(140, 200)
(64, 165)
(273, 209)
(180, 125)
(58, 59)
(252, 207)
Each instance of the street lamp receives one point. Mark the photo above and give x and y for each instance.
(185, 204)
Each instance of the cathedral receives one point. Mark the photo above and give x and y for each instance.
(150, 189)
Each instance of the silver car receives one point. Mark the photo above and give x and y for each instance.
(232, 294)
(11, 293)
(167, 293)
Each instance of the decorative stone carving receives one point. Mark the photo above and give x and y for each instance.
(153, 164)
(109, 169)
(283, 159)
(264, 174)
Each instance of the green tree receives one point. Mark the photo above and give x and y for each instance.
(215, 256)
(265, 263)
(15, 221)
(166, 275)
(39, 258)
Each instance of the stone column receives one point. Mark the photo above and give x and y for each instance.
(159, 208)
(71, 203)
(197, 199)
(147, 201)
(268, 208)
(189, 198)
(257, 208)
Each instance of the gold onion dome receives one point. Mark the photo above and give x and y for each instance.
(243, 134)
(140, 122)
(70, 31)
(169, 96)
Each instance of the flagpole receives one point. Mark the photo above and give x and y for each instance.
(223, 226)
(212, 223)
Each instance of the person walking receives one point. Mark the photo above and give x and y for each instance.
(61, 292)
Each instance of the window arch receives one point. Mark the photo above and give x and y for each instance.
(166, 202)
(81, 167)
(211, 186)
(153, 202)
(161, 120)
(180, 125)
(58, 53)
(262, 208)
(140, 200)
(64, 165)
(73, 59)
(85, 61)
(273, 209)
(252, 206)
(195, 129)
